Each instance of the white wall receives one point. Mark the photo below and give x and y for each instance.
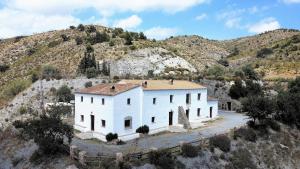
(161, 109)
(96, 108)
(214, 105)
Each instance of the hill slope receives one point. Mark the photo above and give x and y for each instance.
(26, 55)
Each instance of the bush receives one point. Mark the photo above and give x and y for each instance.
(249, 72)
(189, 150)
(80, 27)
(245, 133)
(91, 72)
(264, 52)
(112, 43)
(64, 94)
(91, 29)
(162, 158)
(18, 124)
(50, 72)
(241, 158)
(16, 87)
(34, 77)
(215, 71)
(272, 124)
(64, 37)
(72, 27)
(88, 84)
(221, 141)
(78, 40)
(111, 137)
(143, 129)
(237, 90)
(223, 62)
(3, 67)
(128, 38)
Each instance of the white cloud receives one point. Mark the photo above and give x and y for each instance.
(291, 1)
(201, 17)
(266, 24)
(129, 23)
(160, 33)
(14, 23)
(233, 22)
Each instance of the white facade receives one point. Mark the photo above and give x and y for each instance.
(154, 108)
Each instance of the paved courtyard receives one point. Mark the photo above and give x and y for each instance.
(227, 121)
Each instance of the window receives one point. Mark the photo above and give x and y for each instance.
(128, 101)
(154, 101)
(199, 96)
(92, 100)
(127, 122)
(153, 119)
(171, 98)
(103, 101)
(103, 123)
(81, 98)
(188, 98)
(81, 118)
(198, 112)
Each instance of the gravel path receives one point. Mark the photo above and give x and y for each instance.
(228, 121)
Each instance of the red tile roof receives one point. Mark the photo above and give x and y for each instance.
(106, 89)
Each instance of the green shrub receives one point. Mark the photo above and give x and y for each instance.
(143, 129)
(72, 27)
(18, 124)
(80, 27)
(128, 38)
(3, 67)
(88, 84)
(64, 37)
(111, 43)
(78, 40)
(221, 141)
(189, 150)
(15, 87)
(245, 133)
(34, 77)
(162, 159)
(272, 124)
(237, 90)
(250, 73)
(111, 137)
(50, 72)
(264, 52)
(91, 29)
(91, 72)
(64, 94)
(53, 44)
(223, 62)
(241, 158)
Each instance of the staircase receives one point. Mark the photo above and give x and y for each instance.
(182, 119)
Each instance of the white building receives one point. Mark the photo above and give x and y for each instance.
(123, 107)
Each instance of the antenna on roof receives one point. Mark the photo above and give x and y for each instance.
(113, 88)
(145, 83)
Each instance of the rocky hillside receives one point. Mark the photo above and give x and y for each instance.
(20, 57)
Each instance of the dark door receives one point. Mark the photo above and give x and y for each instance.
(170, 118)
(229, 106)
(210, 112)
(187, 113)
(92, 122)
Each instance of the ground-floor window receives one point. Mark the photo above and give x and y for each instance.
(128, 122)
(103, 123)
(81, 118)
(153, 119)
(198, 112)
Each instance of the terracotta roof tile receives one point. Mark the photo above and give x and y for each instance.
(164, 84)
(106, 89)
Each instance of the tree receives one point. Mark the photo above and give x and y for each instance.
(258, 107)
(80, 27)
(250, 72)
(64, 94)
(237, 90)
(142, 36)
(91, 72)
(253, 89)
(128, 39)
(48, 131)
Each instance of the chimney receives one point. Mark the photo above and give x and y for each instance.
(144, 84)
(113, 88)
(172, 81)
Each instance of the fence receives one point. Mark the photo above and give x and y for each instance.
(84, 159)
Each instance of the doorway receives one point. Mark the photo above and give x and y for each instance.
(229, 106)
(92, 122)
(187, 113)
(210, 112)
(170, 118)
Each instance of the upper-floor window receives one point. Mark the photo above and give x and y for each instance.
(198, 112)
(154, 101)
(92, 100)
(103, 123)
(103, 101)
(81, 98)
(128, 101)
(81, 118)
(199, 96)
(188, 98)
(153, 119)
(171, 98)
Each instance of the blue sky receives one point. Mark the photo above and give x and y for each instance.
(157, 18)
